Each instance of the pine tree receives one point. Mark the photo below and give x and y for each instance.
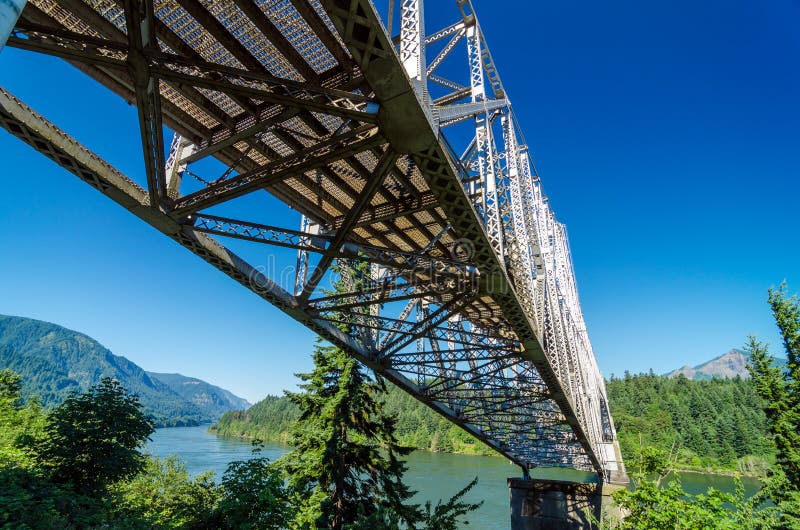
(346, 462)
(346, 469)
(781, 390)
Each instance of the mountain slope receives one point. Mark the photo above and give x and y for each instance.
(728, 365)
(213, 399)
(709, 424)
(55, 361)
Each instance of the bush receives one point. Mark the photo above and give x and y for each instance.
(163, 495)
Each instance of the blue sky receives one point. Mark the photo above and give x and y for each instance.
(667, 136)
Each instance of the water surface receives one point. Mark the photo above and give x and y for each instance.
(433, 475)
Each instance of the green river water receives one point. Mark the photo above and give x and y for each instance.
(433, 475)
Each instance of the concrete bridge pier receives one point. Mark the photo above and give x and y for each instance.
(546, 504)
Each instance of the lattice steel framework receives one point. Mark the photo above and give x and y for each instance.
(457, 277)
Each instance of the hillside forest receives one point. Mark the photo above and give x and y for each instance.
(715, 425)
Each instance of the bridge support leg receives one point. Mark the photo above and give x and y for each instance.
(539, 504)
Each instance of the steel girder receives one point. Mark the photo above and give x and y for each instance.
(465, 295)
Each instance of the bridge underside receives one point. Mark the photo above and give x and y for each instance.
(308, 101)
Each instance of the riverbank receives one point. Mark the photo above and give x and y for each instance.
(433, 475)
(283, 440)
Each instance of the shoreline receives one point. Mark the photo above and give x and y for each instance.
(720, 473)
(731, 474)
(280, 441)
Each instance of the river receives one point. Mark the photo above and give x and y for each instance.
(433, 475)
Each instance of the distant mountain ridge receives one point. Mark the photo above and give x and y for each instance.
(54, 361)
(204, 395)
(728, 365)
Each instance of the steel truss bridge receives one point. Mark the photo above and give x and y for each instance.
(406, 163)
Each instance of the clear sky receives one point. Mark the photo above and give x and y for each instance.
(667, 135)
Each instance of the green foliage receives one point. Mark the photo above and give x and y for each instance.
(657, 501)
(10, 388)
(270, 419)
(22, 422)
(92, 439)
(346, 457)
(29, 500)
(715, 424)
(163, 495)
(254, 496)
(653, 506)
(780, 390)
(381, 519)
(447, 515)
(86, 471)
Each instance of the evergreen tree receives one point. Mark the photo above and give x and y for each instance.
(347, 462)
(346, 470)
(781, 393)
(346, 456)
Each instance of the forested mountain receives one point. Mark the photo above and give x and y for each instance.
(55, 361)
(712, 424)
(214, 400)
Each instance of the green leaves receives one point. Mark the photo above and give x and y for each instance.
(254, 496)
(92, 439)
(163, 495)
(660, 503)
(447, 515)
(10, 388)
